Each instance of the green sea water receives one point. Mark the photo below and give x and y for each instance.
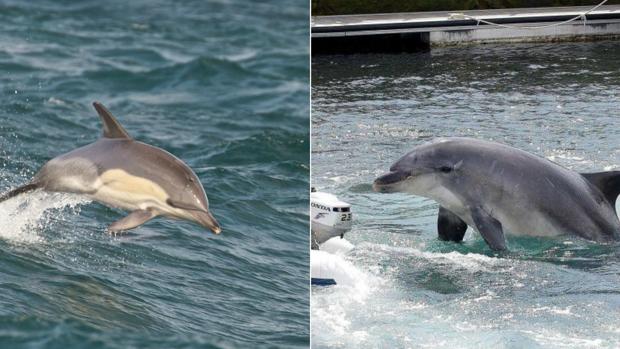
(223, 85)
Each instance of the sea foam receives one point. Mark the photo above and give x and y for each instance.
(23, 218)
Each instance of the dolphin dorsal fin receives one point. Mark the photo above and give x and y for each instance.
(111, 127)
(607, 182)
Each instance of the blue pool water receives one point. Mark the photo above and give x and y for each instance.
(560, 101)
(221, 84)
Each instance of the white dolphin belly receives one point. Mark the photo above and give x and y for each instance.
(516, 221)
(525, 221)
(120, 189)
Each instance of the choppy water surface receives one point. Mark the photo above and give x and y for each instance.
(561, 101)
(221, 84)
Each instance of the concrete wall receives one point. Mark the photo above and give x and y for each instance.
(567, 32)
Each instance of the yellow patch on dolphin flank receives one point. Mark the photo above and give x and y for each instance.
(120, 181)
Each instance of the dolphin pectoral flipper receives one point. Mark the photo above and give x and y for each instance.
(449, 226)
(490, 229)
(132, 220)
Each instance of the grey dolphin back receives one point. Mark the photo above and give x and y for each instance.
(607, 182)
(19, 190)
(111, 127)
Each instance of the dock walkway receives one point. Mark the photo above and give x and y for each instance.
(456, 27)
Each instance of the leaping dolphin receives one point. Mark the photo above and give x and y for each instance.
(492, 187)
(121, 172)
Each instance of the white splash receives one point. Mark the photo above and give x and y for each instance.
(536, 66)
(241, 56)
(331, 313)
(22, 218)
(56, 101)
(472, 262)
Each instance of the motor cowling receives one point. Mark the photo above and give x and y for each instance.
(329, 217)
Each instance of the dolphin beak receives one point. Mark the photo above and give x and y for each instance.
(208, 221)
(385, 183)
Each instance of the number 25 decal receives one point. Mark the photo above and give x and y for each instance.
(345, 217)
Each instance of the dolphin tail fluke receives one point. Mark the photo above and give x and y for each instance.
(18, 191)
(607, 182)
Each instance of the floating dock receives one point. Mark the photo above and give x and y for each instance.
(423, 30)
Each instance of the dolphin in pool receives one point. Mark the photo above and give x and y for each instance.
(494, 188)
(119, 171)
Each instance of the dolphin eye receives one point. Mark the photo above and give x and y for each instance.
(445, 169)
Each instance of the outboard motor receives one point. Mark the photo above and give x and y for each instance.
(329, 216)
